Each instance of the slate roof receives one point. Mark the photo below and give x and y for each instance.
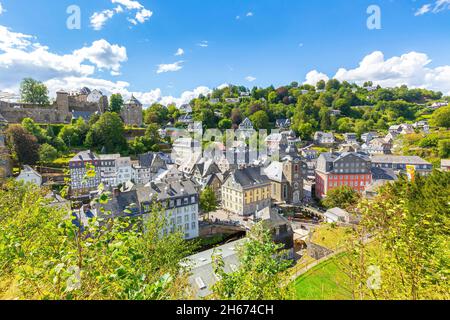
(275, 172)
(86, 115)
(249, 177)
(283, 123)
(202, 270)
(399, 159)
(246, 123)
(126, 200)
(332, 157)
(383, 174)
(86, 155)
(165, 190)
(148, 159)
(207, 168)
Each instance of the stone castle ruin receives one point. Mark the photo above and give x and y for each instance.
(67, 106)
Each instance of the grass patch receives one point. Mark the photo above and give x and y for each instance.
(323, 282)
(331, 236)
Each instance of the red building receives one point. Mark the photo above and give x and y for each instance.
(342, 169)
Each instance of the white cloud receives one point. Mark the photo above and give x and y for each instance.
(203, 44)
(171, 67)
(314, 76)
(1, 9)
(108, 87)
(249, 14)
(99, 19)
(411, 69)
(143, 15)
(436, 7)
(129, 4)
(21, 56)
(185, 97)
(250, 78)
(422, 10)
(180, 52)
(103, 55)
(132, 21)
(10, 39)
(223, 86)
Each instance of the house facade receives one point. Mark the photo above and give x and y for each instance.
(29, 175)
(342, 169)
(324, 138)
(180, 202)
(246, 191)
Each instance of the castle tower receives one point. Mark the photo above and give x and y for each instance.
(5, 160)
(132, 112)
(62, 101)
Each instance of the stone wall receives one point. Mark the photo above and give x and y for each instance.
(58, 112)
(50, 114)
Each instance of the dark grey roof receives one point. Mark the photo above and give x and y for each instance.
(121, 202)
(86, 155)
(332, 157)
(149, 159)
(207, 168)
(249, 177)
(85, 90)
(413, 160)
(283, 122)
(383, 174)
(165, 190)
(246, 123)
(86, 115)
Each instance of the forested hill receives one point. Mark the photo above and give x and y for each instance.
(333, 105)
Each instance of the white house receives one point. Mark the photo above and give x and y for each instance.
(337, 215)
(324, 138)
(29, 175)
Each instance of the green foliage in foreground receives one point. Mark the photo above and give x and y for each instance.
(341, 197)
(410, 225)
(43, 255)
(262, 274)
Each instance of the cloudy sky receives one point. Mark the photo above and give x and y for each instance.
(173, 50)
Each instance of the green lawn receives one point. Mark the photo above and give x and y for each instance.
(324, 282)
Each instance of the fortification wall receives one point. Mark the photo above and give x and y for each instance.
(38, 113)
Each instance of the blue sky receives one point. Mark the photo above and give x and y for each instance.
(248, 42)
